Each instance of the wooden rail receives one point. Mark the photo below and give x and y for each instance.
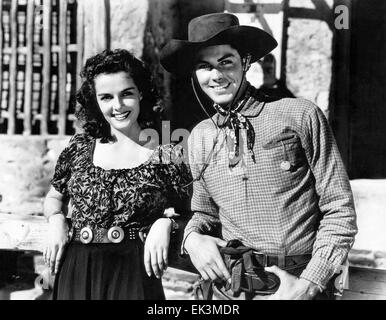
(27, 233)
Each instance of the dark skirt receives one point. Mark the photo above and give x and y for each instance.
(105, 272)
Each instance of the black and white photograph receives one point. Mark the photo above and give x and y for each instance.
(192, 150)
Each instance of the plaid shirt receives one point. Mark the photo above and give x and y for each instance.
(306, 208)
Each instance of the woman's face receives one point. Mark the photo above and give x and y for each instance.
(219, 72)
(118, 98)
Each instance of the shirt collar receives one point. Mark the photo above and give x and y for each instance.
(249, 105)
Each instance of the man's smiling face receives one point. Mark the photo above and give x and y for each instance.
(219, 72)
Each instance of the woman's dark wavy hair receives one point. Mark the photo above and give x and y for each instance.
(112, 61)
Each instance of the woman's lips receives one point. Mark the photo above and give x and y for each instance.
(121, 116)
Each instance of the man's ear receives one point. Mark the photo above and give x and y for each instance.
(247, 62)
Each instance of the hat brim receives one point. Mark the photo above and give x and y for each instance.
(177, 56)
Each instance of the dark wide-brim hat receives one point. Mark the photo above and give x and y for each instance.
(177, 56)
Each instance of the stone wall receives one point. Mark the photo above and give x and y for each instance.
(309, 61)
(309, 56)
(26, 167)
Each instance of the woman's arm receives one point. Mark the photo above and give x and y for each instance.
(157, 247)
(57, 236)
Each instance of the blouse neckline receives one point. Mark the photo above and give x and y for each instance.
(90, 159)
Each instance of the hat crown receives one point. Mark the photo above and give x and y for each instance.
(205, 27)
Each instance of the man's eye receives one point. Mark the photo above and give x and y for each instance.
(204, 66)
(226, 62)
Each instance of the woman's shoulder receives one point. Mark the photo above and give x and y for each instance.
(81, 137)
(80, 140)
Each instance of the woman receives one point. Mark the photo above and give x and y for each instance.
(118, 189)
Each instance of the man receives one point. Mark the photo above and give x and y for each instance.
(267, 174)
(271, 85)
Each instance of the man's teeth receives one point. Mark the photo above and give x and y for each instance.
(219, 88)
(121, 116)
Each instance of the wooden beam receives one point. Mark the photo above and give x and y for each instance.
(99, 25)
(284, 43)
(340, 89)
(1, 53)
(28, 233)
(22, 232)
(46, 70)
(306, 13)
(80, 41)
(270, 8)
(28, 68)
(366, 284)
(12, 70)
(62, 61)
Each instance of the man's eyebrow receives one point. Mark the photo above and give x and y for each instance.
(201, 61)
(226, 56)
(127, 89)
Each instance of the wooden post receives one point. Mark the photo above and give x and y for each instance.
(28, 68)
(284, 42)
(12, 70)
(1, 53)
(46, 70)
(100, 34)
(340, 95)
(80, 41)
(62, 62)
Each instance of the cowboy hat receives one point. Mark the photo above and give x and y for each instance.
(177, 56)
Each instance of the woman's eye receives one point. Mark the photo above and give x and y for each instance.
(105, 98)
(127, 93)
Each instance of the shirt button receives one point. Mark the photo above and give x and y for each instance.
(285, 165)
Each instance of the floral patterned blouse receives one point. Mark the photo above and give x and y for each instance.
(133, 197)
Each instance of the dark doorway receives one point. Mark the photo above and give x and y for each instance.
(368, 90)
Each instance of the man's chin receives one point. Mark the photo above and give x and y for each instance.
(222, 101)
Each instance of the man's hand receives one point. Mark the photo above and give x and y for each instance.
(291, 287)
(205, 256)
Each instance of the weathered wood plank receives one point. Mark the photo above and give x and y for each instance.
(29, 232)
(22, 232)
(1, 50)
(80, 41)
(368, 281)
(284, 42)
(270, 8)
(100, 25)
(12, 70)
(368, 274)
(62, 67)
(46, 70)
(340, 113)
(28, 67)
(305, 13)
(351, 295)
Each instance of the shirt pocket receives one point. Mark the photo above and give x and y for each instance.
(285, 151)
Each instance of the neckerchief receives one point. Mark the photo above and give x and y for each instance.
(233, 122)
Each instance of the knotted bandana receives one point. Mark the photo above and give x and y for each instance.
(233, 123)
